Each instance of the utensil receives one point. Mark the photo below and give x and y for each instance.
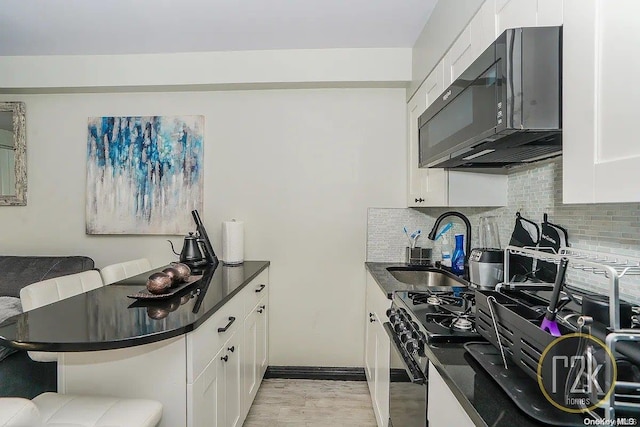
(549, 323)
(406, 233)
(414, 237)
(444, 230)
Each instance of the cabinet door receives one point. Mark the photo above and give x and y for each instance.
(262, 348)
(443, 409)
(233, 381)
(207, 396)
(370, 349)
(460, 56)
(483, 27)
(382, 362)
(255, 352)
(601, 157)
(250, 355)
(417, 178)
(515, 13)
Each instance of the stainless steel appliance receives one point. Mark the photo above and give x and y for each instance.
(486, 267)
(415, 319)
(504, 108)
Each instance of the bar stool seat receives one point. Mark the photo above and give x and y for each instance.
(53, 409)
(123, 270)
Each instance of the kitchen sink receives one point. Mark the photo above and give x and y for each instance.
(426, 276)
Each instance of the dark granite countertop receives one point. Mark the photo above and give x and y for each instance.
(105, 318)
(480, 396)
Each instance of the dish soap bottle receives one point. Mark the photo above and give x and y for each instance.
(446, 251)
(457, 259)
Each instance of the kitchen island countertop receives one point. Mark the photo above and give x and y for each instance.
(106, 318)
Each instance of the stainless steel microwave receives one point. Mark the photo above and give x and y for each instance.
(504, 109)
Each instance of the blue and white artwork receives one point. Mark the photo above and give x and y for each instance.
(144, 174)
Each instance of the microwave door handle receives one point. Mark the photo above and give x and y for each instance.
(413, 371)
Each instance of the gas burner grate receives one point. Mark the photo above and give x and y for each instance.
(443, 298)
(454, 321)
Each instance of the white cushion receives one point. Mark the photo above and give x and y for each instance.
(115, 272)
(18, 412)
(96, 411)
(52, 290)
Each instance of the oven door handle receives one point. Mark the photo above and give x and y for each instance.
(410, 366)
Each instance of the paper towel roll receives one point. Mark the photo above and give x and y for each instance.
(233, 242)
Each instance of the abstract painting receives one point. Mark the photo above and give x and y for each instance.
(144, 174)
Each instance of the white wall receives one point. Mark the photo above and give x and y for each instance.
(300, 167)
(65, 73)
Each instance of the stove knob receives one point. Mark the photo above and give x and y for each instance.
(390, 312)
(394, 318)
(400, 327)
(406, 336)
(413, 346)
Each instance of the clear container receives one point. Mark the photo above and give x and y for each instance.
(488, 233)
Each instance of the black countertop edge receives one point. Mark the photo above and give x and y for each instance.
(107, 345)
(72, 347)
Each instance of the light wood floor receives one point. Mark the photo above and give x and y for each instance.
(311, 403)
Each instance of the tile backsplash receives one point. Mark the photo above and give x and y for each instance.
(532, 190)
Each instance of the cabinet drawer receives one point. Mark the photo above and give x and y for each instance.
(208, 338)
(254, 291)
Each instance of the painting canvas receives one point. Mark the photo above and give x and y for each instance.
(144, 174)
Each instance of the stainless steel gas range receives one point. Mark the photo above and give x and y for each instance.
(417, 319)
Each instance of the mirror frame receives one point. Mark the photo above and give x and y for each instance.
(20, 144)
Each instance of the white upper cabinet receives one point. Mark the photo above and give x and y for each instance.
(526, 13)
(417, 178)
(460, 56)
(438, 187)
(601, 155)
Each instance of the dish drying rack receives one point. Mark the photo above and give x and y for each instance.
(613, 267)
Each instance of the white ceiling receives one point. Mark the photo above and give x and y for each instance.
(83, 27)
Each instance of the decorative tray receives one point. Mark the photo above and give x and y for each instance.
(146, 295)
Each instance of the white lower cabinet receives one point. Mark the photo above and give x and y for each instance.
(443, 409)
(255, 350)
(215, 395)
(222, 393)
(377, 350)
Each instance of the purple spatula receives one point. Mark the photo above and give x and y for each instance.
(549, 323)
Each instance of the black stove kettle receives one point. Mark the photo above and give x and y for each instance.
(191, 253)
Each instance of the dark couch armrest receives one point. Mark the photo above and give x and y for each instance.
(17, 272)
